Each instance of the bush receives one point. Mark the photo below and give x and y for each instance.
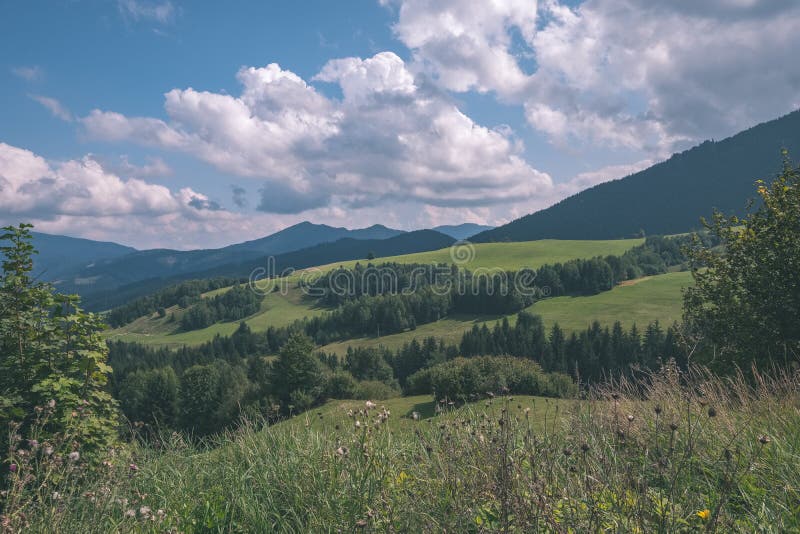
(461, 378)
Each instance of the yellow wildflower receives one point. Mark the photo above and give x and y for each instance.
(704, 514)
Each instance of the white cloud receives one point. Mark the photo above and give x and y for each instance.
(54, 107)
(635, 74)
(392, 137)
(28, 73)
(467, 45)
(161, 12)
(65, 196)
(122, 166)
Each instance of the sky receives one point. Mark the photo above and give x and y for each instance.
(169, 123)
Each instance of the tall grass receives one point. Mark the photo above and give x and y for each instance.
(669, 453)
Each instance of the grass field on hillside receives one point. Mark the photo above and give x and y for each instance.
(510, 464)
(281, 309)
(510, 256)
(639, 301)
(277, 310)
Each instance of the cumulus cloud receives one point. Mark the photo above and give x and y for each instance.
(65, 195)
(55, 107)
(122, 166)
(393, 136)
(635, 74)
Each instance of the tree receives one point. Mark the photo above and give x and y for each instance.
(297, 370)
(51, 355)
(746, 300)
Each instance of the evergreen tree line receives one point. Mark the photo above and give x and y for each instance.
(236, 303)
(183, 295)
(205, 389)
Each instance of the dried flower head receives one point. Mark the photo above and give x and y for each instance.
(74, 456)
(764, 439)
(712, 412)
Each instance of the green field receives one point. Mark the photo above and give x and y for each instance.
(277, 309)
(639, 301)
(510, 256)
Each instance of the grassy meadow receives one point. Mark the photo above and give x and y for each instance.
(640, 301)
(675, 453)
(277, 309)
(284, 307)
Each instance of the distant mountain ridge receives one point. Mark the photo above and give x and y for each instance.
(324, 253)
(669, 197)
(88, 272)
(58, 255)
(462, 231)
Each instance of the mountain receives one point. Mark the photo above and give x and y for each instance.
(669, 197)
(109, 272)
(58, 254)
(101, 298)
(306, 234)
(462, 231)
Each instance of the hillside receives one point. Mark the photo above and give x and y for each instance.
(279, 309)
(58, 254)
(117, 273)
(669, 197)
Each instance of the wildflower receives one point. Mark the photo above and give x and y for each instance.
(704, 514)
(585, 447)
(51, 403)
(74, 456)
(657, 409)
(342, 451)
(48, 450)
(712, 412)
(630, 418)
(145, 512)
(56, 496)
(161, 514)
(133, 468)
(12, 468)
(130, 513)
(370, 405)
(33, 444)
(415, 416)
(673, 426)
(358, 424)
(764, 439)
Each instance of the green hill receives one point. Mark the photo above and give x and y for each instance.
(669, 197)
(651, 299)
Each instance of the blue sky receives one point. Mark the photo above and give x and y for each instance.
(136, 120)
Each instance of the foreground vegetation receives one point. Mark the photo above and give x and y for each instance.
(674, 452)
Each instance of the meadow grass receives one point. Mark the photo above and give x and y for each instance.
(641, 301)
(509, 256)
(284, 307)
(277, 309)
(674, 452)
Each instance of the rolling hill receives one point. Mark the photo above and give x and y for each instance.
(669, 197)
(658, 297)
(97, 274)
